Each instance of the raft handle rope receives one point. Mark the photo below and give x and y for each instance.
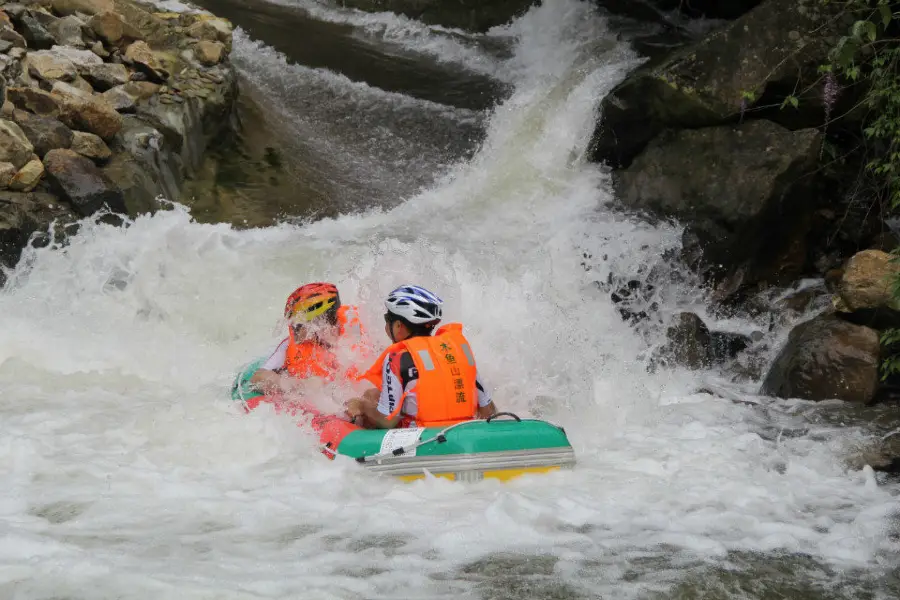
(238, 386)
(504, 414)
(440, 438)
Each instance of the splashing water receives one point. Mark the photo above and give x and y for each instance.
(127, 472)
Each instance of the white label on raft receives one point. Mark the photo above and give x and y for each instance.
(398, 438)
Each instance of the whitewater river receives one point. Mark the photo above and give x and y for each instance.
(126, 472)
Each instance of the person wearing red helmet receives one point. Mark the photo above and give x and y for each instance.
(323, 337)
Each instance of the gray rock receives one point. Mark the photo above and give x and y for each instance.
(35, 34)
(23, 214)
(91, 146)
(28, 176)
(82, 59)
(68, 31)
(79, 181)
(826, 358)
(36, 101)
(106, 75)
(120, 99)
(144, 59)
(7, 172)
(84, 112)
(689, 342)
(113, 28)
(44, 133)
(50, 66)
(14, 145)
(10, 35)
(728, 185)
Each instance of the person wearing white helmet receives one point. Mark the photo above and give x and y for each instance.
(428, 376)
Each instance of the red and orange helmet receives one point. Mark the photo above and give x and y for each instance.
(311, 301)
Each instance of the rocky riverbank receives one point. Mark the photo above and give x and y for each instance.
(739, 137)
(108, 106)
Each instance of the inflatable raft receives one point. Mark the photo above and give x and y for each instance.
(501, 447)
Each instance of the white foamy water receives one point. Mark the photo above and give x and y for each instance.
(126, 472)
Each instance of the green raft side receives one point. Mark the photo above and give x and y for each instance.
(241, 390)
(469, 438)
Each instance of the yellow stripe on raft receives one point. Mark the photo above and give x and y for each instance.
(501, 474)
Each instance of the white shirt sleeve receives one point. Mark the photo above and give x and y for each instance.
(484, 393)
(277, 358)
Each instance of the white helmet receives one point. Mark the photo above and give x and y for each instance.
(414, 304)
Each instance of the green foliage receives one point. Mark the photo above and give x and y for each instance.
(869, 54)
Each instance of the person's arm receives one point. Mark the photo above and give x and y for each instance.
(374, 416)
(379, 407)
(268, 381)
(270, 376)
(486, 406)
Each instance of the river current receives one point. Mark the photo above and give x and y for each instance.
(457, 162)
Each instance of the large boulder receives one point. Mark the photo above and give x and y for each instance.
(739, 190)
(757, 60)
(826, 358)
(474, 15)
(79, 181)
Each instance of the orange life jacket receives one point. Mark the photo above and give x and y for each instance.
(310, 358)
(445, 390)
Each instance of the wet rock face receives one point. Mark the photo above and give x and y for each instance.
(691, 344)
(755, 60)
(739, 191)
(21, 215)
(81, 183)
(826, 358)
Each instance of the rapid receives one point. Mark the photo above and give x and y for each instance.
(127, 472)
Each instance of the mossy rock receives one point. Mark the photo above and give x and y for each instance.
(756, 60)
